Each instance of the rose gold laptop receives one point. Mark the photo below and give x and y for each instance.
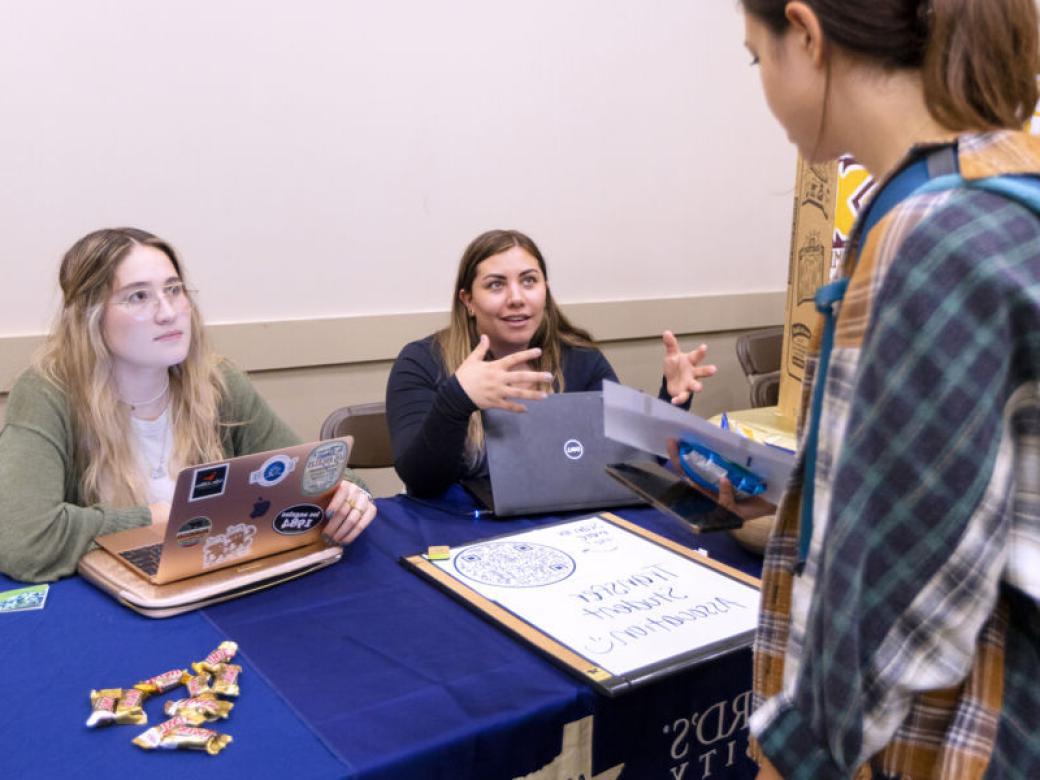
(235, 526)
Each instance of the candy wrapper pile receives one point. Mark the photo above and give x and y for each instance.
(213, 677)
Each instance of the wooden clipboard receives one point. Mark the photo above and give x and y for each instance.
(583, 664)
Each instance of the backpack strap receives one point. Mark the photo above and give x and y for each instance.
(1023, 189)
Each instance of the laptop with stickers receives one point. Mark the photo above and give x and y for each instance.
(552, 458)
(235, 526)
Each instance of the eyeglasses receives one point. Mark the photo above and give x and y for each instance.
(143, 302)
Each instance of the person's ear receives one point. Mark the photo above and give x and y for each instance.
(806, 26)
(465, 297)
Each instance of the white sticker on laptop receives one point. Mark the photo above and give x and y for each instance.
(298, 519)
(208, 482)
(324, 468)
(275, 469)
(192, 532)
(234, 543)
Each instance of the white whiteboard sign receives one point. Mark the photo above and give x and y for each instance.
(622, 601)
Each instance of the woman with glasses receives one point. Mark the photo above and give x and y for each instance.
(507, 341)
(125, 393)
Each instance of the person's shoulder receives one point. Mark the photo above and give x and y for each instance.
(575, 354)
(236, 381)
(584, 367)
(424, 346)
(34, 397)
(238, 396)
(425, 352)
(961, 227)
(229, 372)
(32, 386)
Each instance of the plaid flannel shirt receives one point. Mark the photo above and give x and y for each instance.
(909, 646)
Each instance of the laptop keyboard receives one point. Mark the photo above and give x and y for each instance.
(144, 558)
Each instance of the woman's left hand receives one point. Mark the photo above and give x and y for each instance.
(350, 511)
(683, 369)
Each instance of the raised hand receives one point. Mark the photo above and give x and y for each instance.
(496, 383)
(682, 370)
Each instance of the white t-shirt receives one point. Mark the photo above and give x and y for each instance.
(154, 444)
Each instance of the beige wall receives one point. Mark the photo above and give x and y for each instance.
(321, 164)
(332, 158)
(308, 368)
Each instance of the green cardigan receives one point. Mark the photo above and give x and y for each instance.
(44, 526)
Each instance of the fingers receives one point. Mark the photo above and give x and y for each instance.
(480, 351)
(517, 358)
(672, 446)
(727, 498)
(524, 393)
(529, 378)
(671, 343)
(350, 511)
(748, 507)
(709, 370)
(683, 397)
(696, 355)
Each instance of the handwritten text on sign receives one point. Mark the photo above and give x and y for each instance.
(613, 596)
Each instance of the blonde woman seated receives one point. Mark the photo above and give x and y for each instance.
(124, 394)
(507, 342)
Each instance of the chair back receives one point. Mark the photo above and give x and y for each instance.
(367, 424)
(759, 353)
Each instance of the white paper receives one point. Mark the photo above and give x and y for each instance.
(639, 420)
(618, 599)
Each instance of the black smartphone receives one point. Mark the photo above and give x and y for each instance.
(672, 494)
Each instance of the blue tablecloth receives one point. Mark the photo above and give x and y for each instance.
(81, 640)
(364, 670)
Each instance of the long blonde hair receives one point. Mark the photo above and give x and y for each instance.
(77, 360)
(460, 338)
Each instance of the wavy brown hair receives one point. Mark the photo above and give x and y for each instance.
(460, 338)
(77, 360)
(978, 58)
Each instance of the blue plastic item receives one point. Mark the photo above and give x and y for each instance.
(707, 468)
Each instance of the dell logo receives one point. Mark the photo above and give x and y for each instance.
(573, 449)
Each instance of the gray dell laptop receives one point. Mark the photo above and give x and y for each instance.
(552, 458)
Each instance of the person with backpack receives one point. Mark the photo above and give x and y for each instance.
(899, 634)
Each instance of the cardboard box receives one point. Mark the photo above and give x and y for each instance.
(828, 197)
(810, 259)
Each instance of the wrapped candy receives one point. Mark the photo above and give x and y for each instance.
(162, 682)
(225, 680)
(224, 653)
(197, 685)
(176, 734)
(130, 707)
(103, 706)
(197, 710)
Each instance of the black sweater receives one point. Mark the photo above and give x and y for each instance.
(428, 412)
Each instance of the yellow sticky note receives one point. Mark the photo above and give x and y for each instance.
(438, 552)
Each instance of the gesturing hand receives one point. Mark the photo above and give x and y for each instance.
(492, 383)
(683, 369)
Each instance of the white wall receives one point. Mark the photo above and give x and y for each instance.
(317, 158)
